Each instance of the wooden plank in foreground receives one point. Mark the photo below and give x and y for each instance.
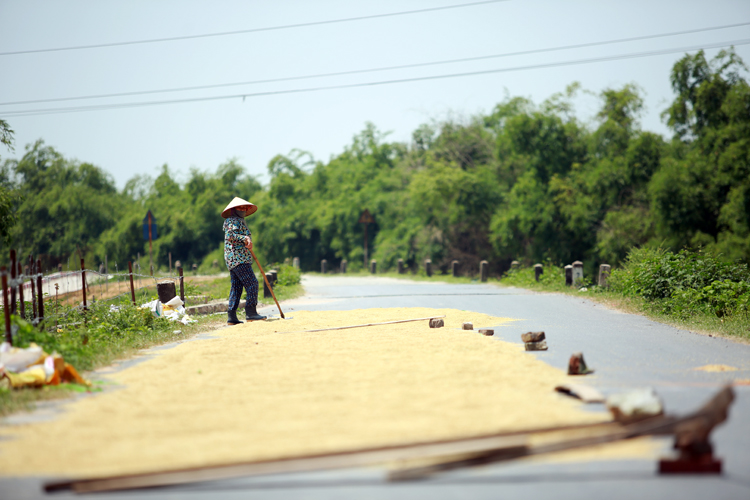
(456, 453)
(513, 442)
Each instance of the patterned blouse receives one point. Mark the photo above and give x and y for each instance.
(235, 251)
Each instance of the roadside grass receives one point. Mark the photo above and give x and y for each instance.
(114, 329)
(106, 336)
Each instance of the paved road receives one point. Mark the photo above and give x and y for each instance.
(627, 351)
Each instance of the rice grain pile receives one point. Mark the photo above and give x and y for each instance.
(267, 390)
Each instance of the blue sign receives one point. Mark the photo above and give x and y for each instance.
(154, 232)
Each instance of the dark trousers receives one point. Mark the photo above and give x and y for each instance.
(243, 277)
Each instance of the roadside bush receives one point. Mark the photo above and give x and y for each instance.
(288, 275)
(684, 283)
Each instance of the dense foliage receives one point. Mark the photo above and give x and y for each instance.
(684, 283)
(527, 182)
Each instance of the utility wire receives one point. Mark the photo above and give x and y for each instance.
(372, 70)
(253, 30)
(97, 107)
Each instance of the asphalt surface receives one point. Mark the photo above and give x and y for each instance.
(627, 351)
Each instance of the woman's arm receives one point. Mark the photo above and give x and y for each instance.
(234, 232)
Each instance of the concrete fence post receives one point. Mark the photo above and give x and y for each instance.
(295, 262)
(538, 271)
(428, 268)
(484, 270)
(323, 266)
(515, 265)
(604, 271)
(454, 268)
(400, 266)
(275, 275)
(266, 290)
(373, 266)
(568, 275)
(577, 273)
(344, 263)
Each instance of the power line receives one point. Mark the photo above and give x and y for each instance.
(252, 30)
(371, 70)
(99, 107)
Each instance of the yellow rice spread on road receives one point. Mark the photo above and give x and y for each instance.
(266, 390)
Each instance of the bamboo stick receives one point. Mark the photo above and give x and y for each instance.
(371, 324)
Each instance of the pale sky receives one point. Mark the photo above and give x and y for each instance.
(138, 140)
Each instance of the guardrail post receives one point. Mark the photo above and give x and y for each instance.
(182, 285)
(483, 270)
(400, 265)
(6, 312)
(454, 268)
(343, 266)
(428, 268)
(266, 290)
(538, 271)
(323, 266)
(568, 275)
(577, 272)
(373, 266)
(132, 289)
(41, 292)
(604, 271)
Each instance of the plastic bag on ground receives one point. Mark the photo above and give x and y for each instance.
(43, 370)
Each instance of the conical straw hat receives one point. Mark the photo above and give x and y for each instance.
(238, 202)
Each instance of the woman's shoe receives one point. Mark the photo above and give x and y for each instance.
(232, 318)
(251, 314)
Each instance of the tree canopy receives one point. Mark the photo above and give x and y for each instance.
(524, 181)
